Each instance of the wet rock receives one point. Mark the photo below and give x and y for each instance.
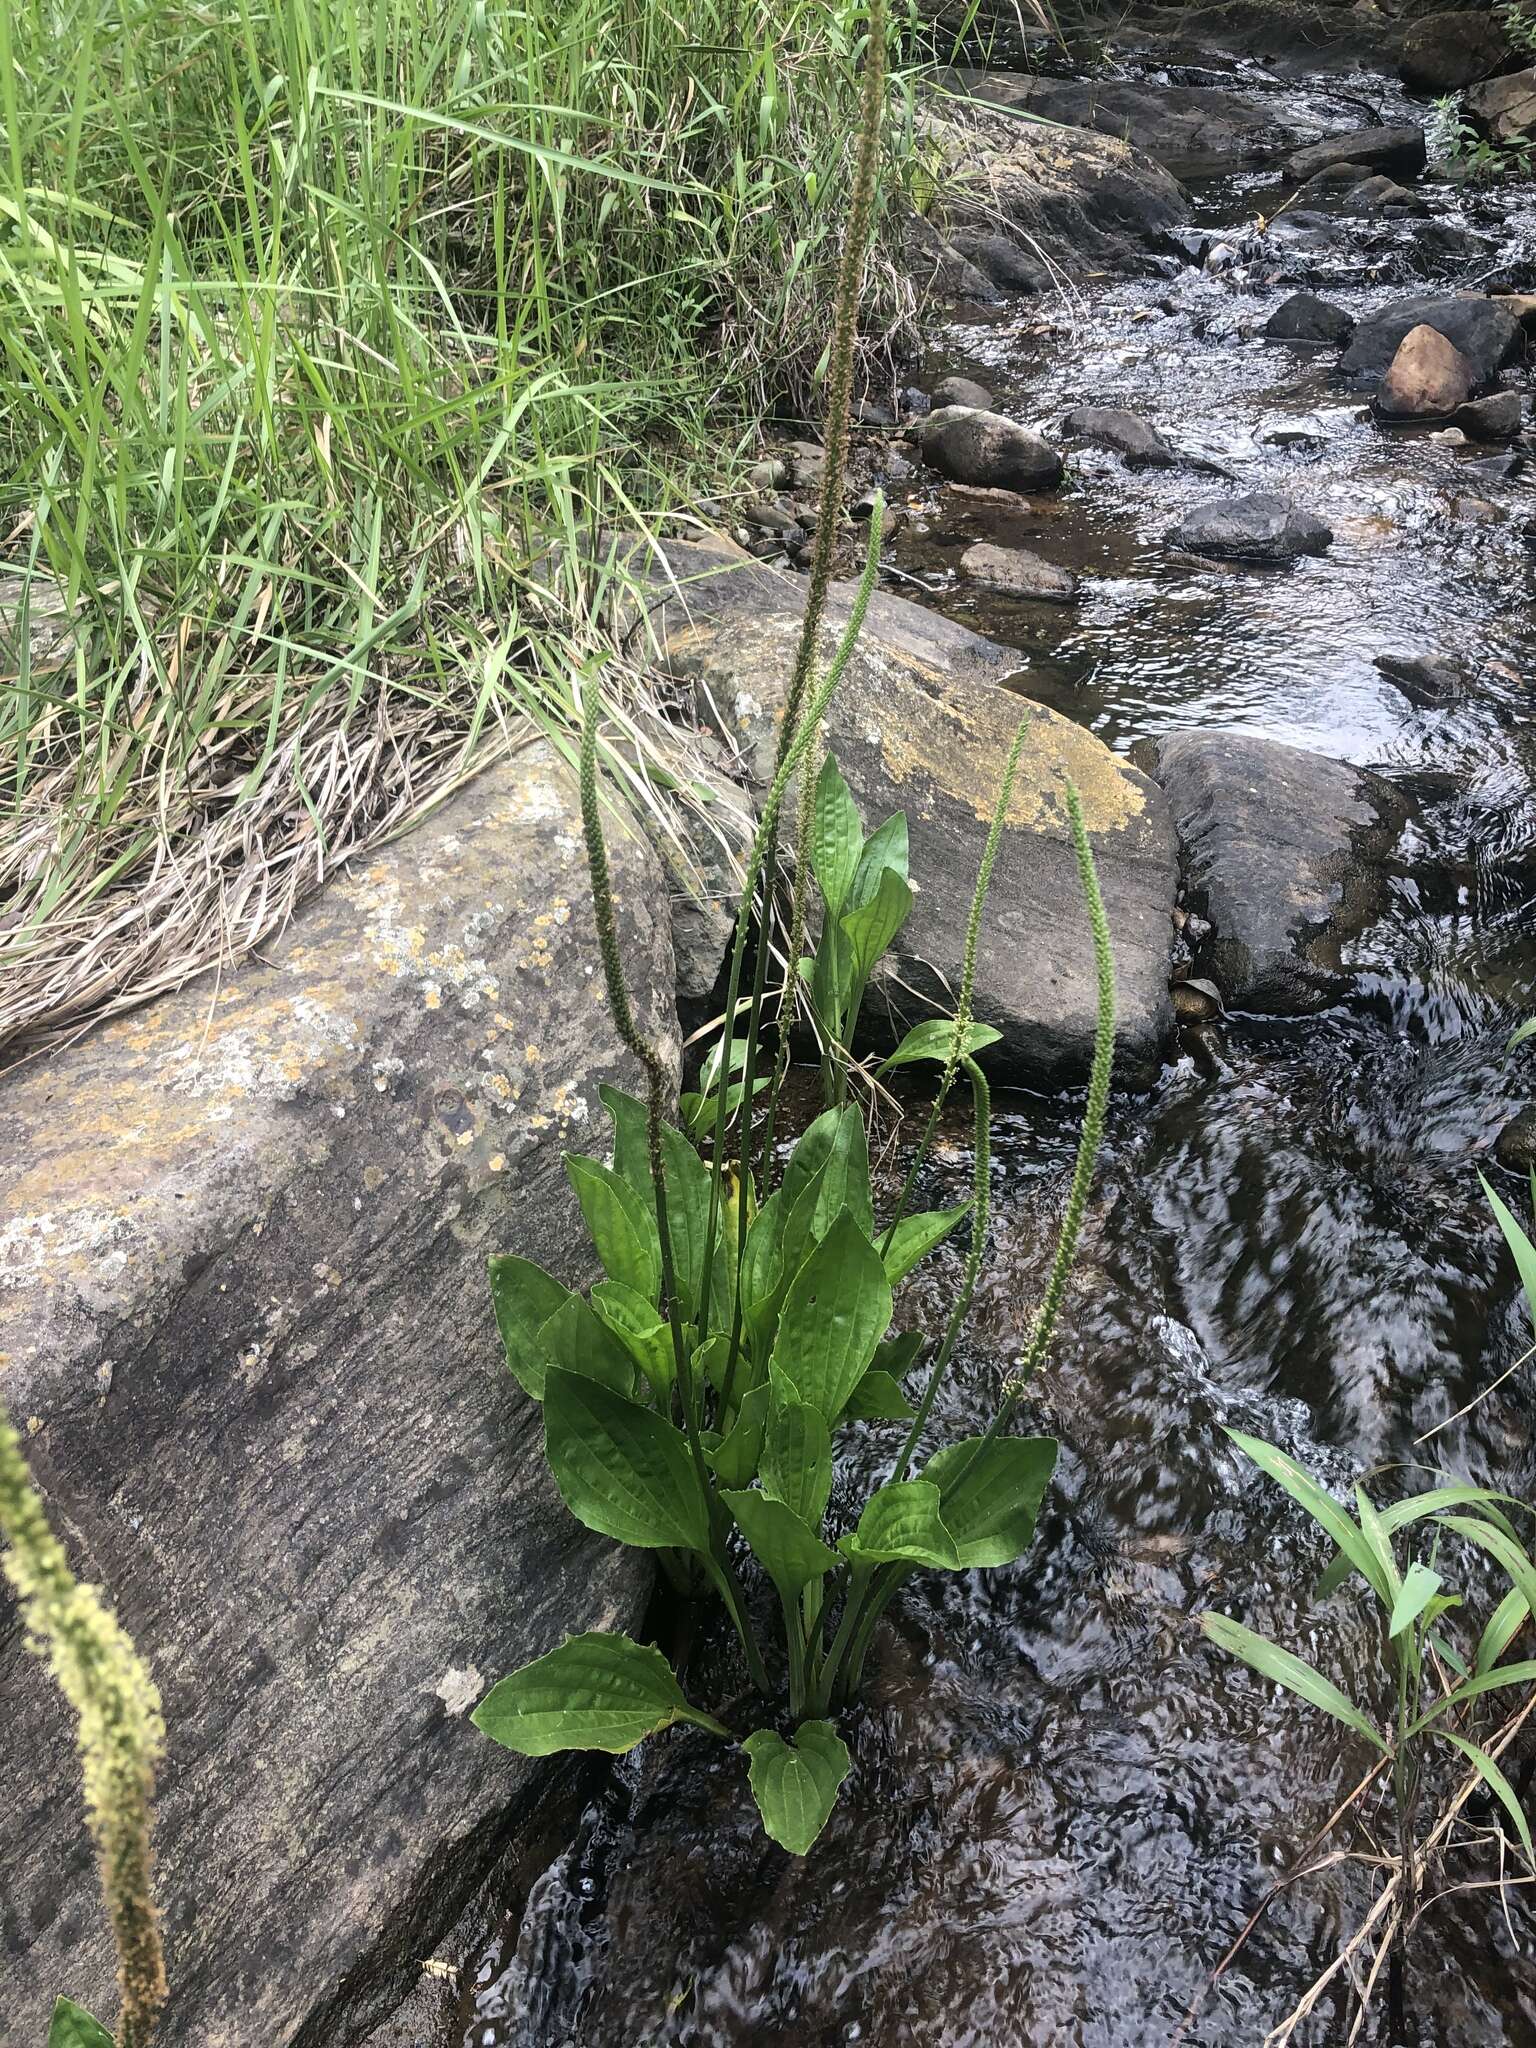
(1515, 1146)
(1504, 110)
(1397, 151)
(1015, 572)
(972, 446)
(1428, 681)
(915, 404)
(1001, 260)
(1479, 328)
(961, 391)
(1134, 439)
(1445, 51)
(1261, 527)
(1520, 306)
(1497, 468)
(1280, 850)
(1427, 379)
(1358, 194)
(937, 266)
(246, 1319)
(1476, 511)
(1307, 318)
(921, 724)
(1496, 418)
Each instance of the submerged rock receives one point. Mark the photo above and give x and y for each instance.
(246, 1323)
(1307, 318)
(1357, 192)
(1136, 440)
(1427, 379)
(1504, 110)
(1261, 527)
(1280, 850)
(1479, 328)
(922, 724)
(972, 446)
(1015, 572)
(1400, 151)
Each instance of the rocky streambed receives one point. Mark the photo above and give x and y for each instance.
(1311, 625)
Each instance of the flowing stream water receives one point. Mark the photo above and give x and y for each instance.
(1064, 1805)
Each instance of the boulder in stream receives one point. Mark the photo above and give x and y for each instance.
(1280, 850)
(1495, 418)
(972, 446)
(1446, 51)
(1480, 328)
(249, 1340)
(1399, 152)
(921, 724)
(1259, 527)
(1304, 317)
(960, 391)
(1016, 572)
(1427, 379)
(1504, 110)
(1126, 434)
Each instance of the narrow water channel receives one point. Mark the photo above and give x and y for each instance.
(1064, 1805)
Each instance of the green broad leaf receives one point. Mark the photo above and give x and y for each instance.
(787, 1547)
(836, 1310)
(688, 1183)
(870, 928)
(1504, 1550)
(763, 1277)
(1321, 1506)
(885, 851)
(525, 1297)
(901, 1524)
(596, 1691)
(739, 1454)
(1496, 1782)
(935, 1039)
(631, 1144)
(72, 2027)
(711, 1360)
(1515, 1237)
(916, 1236)
(837, 836)
(833, 1156)
(897, 1355)
(878, 1398)
(796, 1783)
(621, 1227)
(810, 1155)
(1419, 1587)
(1438, 1498)
(990, 1494)
(1504, 1624)
(578, 1340)
(1282, 1668)
(1486, 1681)
(623, 1470)
(797, 1460)
(640, 1329)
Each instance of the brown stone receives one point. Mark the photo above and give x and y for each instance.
(1427, 379)
(1504, 109)
(1016, 572)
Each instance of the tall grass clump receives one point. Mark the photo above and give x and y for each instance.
(334, 338)
(120, 1737)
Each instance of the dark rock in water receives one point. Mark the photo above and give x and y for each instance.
(1261, 527)
(1427, 379)
(1359, 193)
(247, 1327)
(1126, 435)
(1015, 572)
(921, 725)
(1496, 418)
(870, 412)
(961, 391)
(1440, 244)
(1306, 317)
(1445, 51)
(1504, 110)
(973, 446)
(1398, 151)
(1515, 1146)
(997, 257)
(1280, 849)
(1428, 681)
(915, 404)
(1496, 468)
(1480, 328)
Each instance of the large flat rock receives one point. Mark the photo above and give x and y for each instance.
(922, 724)
(1280, 852)
(245, 1329)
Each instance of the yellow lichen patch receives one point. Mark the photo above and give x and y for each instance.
(957, 741)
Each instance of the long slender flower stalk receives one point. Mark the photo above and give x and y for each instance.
(119, 1730)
